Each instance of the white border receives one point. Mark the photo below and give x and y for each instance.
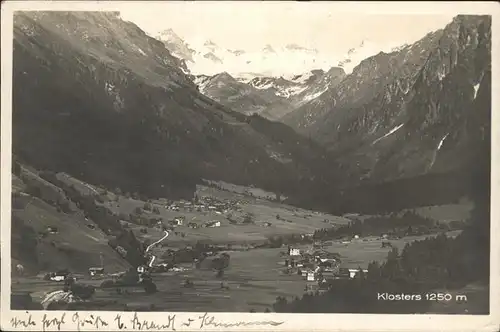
(292, 322)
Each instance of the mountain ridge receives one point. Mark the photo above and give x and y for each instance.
(129, 115)
(377, 130)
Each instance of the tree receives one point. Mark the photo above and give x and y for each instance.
(33, 190)
(16, 168)
(373, 271)
(280, 304)
(65, 207)
(361, 274)
(248, 218)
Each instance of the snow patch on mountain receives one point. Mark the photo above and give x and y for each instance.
(476, 89)
(441, 142)
(314, 95)
(392, 131)
(208, 58)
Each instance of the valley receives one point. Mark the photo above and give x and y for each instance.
(139, 183)
(252, 281)
(254, 278)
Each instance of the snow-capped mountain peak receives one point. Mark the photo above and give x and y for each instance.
(204, 56)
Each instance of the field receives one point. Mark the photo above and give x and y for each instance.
(254, 279)
(76, 243)
(291, 220)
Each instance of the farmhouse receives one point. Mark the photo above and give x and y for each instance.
(293, 251)
(343, 273)
(121, 251)
(57, 276)
(179, 220)
(213, 224)
(94, 271)
(52, 230)
(354, 272)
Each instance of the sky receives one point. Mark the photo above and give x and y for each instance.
(250, 26)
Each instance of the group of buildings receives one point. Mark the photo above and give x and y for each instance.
(318, 266)
(206, 204)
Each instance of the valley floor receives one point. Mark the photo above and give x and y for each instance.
(253, 280)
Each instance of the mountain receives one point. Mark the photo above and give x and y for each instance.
(368, 79)
(301, 88)
(242, 97)
(208, 58)
(424, 108)
(97, 98)
(270, 97)
(46, 237)
(176, 45)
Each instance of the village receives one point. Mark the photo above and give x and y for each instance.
(247, 249)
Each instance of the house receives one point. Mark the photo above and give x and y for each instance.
(141, 269)
(121, 251)
(179, 221)
(57, 276)
(213, 224)
(52, 230)
(310, 276)
(94, 271)
(343, 273)
(354, 272)
(294, 252)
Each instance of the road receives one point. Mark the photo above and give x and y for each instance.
(153, 244)
(89, 187)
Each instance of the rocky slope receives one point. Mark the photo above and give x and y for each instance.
(422, 109)
(270, 97)
(242, 97)
(48, 238)
(97, 98)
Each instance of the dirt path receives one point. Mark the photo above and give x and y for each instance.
(153, 244)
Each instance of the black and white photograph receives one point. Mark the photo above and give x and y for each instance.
(280, 158)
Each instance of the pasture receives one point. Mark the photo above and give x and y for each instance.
(254, 279)
(283, 219)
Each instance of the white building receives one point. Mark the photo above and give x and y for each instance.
(294, 252)
(354, 272)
